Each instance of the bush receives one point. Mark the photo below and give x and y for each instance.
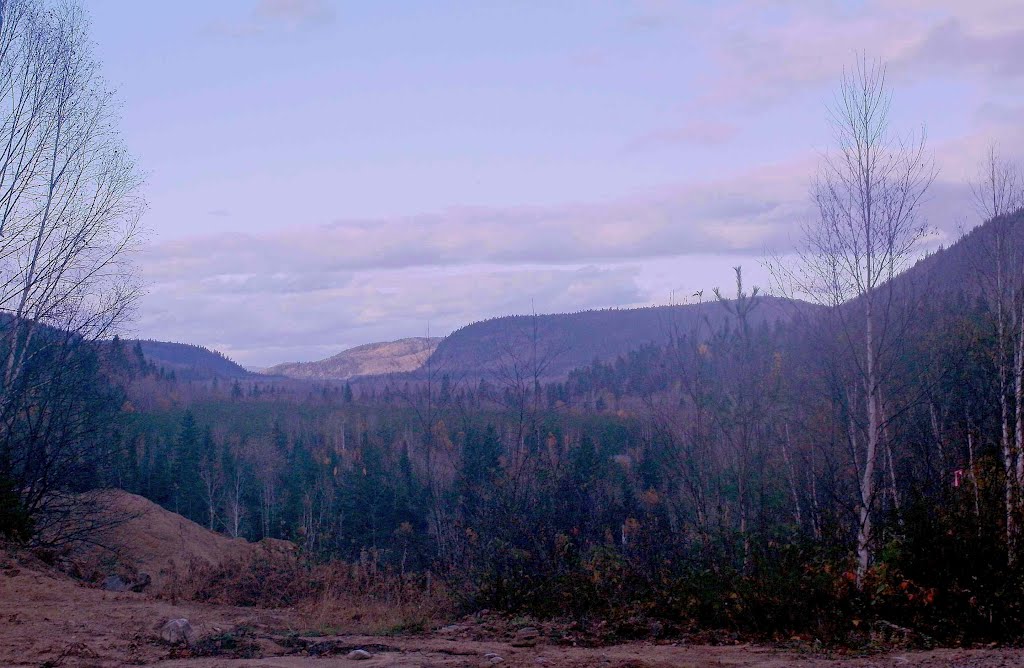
(15, 522)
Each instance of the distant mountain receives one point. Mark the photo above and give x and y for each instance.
(502, 348)
(190, 362)
(372, 359)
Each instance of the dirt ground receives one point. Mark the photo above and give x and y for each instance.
(47, 619)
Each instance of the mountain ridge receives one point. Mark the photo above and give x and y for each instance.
(190, 361)
(555, 344)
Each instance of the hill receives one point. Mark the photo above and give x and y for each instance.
(190, 362)
(967, 265)
(372, 359)
(147, 538)
(559, 343)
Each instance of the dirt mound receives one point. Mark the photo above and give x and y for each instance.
(147, 538)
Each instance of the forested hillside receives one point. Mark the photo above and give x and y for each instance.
(500, 348)
(191, 362)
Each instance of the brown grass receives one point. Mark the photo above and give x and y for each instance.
(361, 598)
(331, 598)
(188, 562)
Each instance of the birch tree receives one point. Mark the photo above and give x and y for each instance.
(998, 194)
(868, 193)
(69, 219)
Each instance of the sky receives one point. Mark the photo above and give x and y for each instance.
(325, 173)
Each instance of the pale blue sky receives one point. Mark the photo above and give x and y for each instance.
(324, 174)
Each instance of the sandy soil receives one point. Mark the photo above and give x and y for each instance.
(47, 619)
(162, 544)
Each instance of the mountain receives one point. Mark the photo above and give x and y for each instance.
(968, 265)
(372, 359)
(190, 362)
(502, 348)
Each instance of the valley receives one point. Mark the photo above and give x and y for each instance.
(645, 334)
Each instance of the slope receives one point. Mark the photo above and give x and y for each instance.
(367, 360)
(554, 345)
(190, 362)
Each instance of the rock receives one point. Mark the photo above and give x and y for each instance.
(358, 655)
(140, 583)
(491, 659)
(114, 583)
(452, 628)
(177, 631)
(526, 637)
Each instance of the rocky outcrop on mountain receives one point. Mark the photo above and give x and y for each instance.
(372, 359)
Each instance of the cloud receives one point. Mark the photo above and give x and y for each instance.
(287, 16)
(765, 52)
(954, 44)
(262, 326)
(737, 218)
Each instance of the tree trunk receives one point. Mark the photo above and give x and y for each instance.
(1018, 396)
(792, 478)
(867, 482)
(1006, 444)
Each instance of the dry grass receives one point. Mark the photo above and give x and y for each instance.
(361, 598)
(187, 562)
(330, 598)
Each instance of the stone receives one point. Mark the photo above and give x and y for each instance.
(114, 583)
(177, 632)
(451, 628)
(358, 655)
(526, 637)
(140, 583)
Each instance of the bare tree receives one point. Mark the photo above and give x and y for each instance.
(868, 228)
(998, 193)
(69, 217)
(998, 190)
